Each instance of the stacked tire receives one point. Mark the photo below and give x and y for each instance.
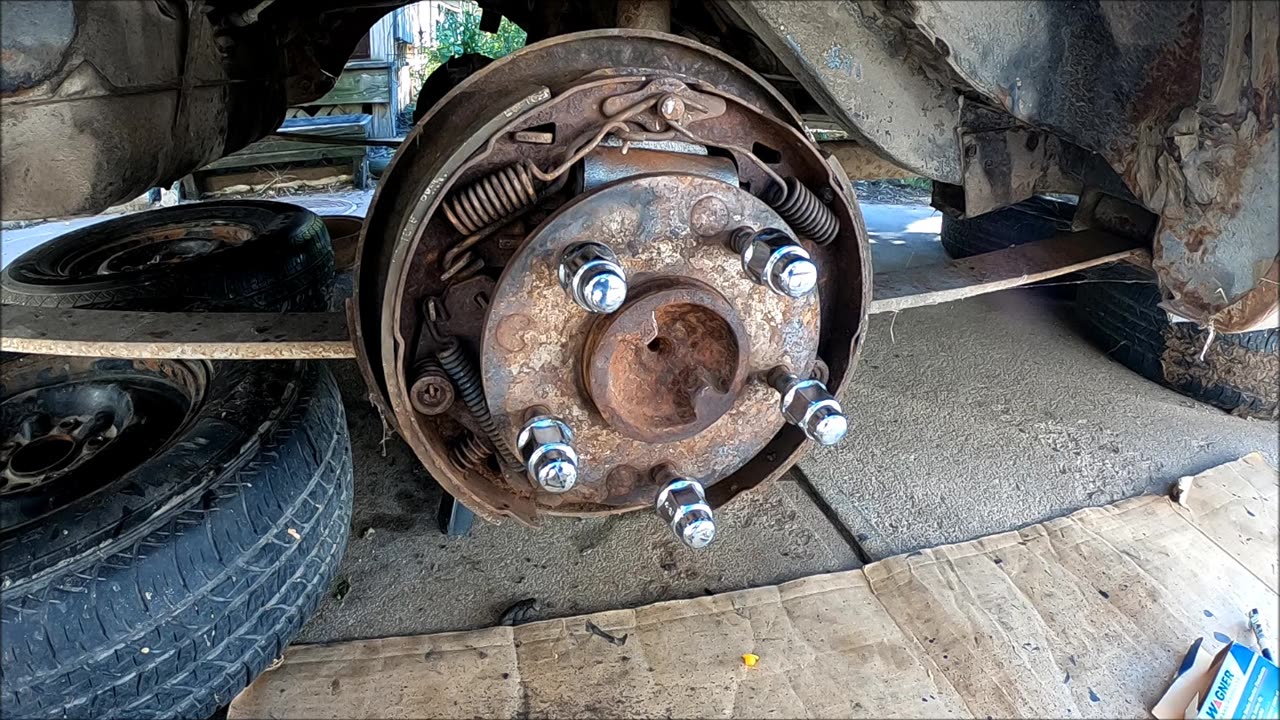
(1118, 306)
(159, 572)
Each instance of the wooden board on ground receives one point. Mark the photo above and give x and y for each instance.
(1083, 616)
(176, 335)
(1000, 270)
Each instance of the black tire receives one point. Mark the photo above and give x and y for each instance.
(246, 255)
(167, 590)
(162, 586)
(1240, 373)
(1038, 218)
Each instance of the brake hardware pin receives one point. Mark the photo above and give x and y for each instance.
(682, 505)
(772, 258)
(808, 405)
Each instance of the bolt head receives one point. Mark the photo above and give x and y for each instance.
(795, 276)
(545, 445)
(556, 472)
(773, 258)
(827, 425)
(593, 277)
(698, 533)
(671, 107)
(603, 291)
(682, 504)
(808, 405)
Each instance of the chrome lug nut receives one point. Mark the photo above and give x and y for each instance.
(593, 277)
(808, 404)
(682, 505)
(546, 447)
(772, 258)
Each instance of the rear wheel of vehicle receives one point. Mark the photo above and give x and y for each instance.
(245, 255)
(166, 528)
(1038, 218)
(1239, 373)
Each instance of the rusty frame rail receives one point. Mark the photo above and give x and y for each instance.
(325, 336)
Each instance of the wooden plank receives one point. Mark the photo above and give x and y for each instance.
(306, 153)
(1000, 270)
(358, 86)
(310, 145)
(176, 335)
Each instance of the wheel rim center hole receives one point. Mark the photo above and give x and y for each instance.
(42, 455)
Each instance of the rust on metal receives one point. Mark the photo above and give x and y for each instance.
(432, 392)
(406, 237)
(541, 349)
(669, 363)
(1205, 161)
(690, 105)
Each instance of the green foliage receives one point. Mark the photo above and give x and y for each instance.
(459, 33)
(918, 183)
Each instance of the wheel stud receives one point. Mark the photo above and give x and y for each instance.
(593, 277)
(772, 258)
(546, 447)
(808, 405)
(682, 505)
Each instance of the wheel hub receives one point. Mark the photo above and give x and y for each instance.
(668, 364)
(614, 267)
(664, 378)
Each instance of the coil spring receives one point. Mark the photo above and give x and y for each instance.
(467, 382)
(491, 198)
(469, 453)
(804, 212)
(426, 366)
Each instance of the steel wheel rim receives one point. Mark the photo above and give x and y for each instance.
(72, 427)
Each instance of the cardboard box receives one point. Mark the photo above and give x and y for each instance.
(1236, 683)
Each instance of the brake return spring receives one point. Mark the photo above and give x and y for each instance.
(469, 453)
(803, 211)
(466, 380)
(492, 198)
(481, 208)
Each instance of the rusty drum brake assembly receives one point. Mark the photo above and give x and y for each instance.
(610, 272)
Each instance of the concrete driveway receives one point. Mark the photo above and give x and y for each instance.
(968, 418)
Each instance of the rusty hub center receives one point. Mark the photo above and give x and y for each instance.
(669, 363)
